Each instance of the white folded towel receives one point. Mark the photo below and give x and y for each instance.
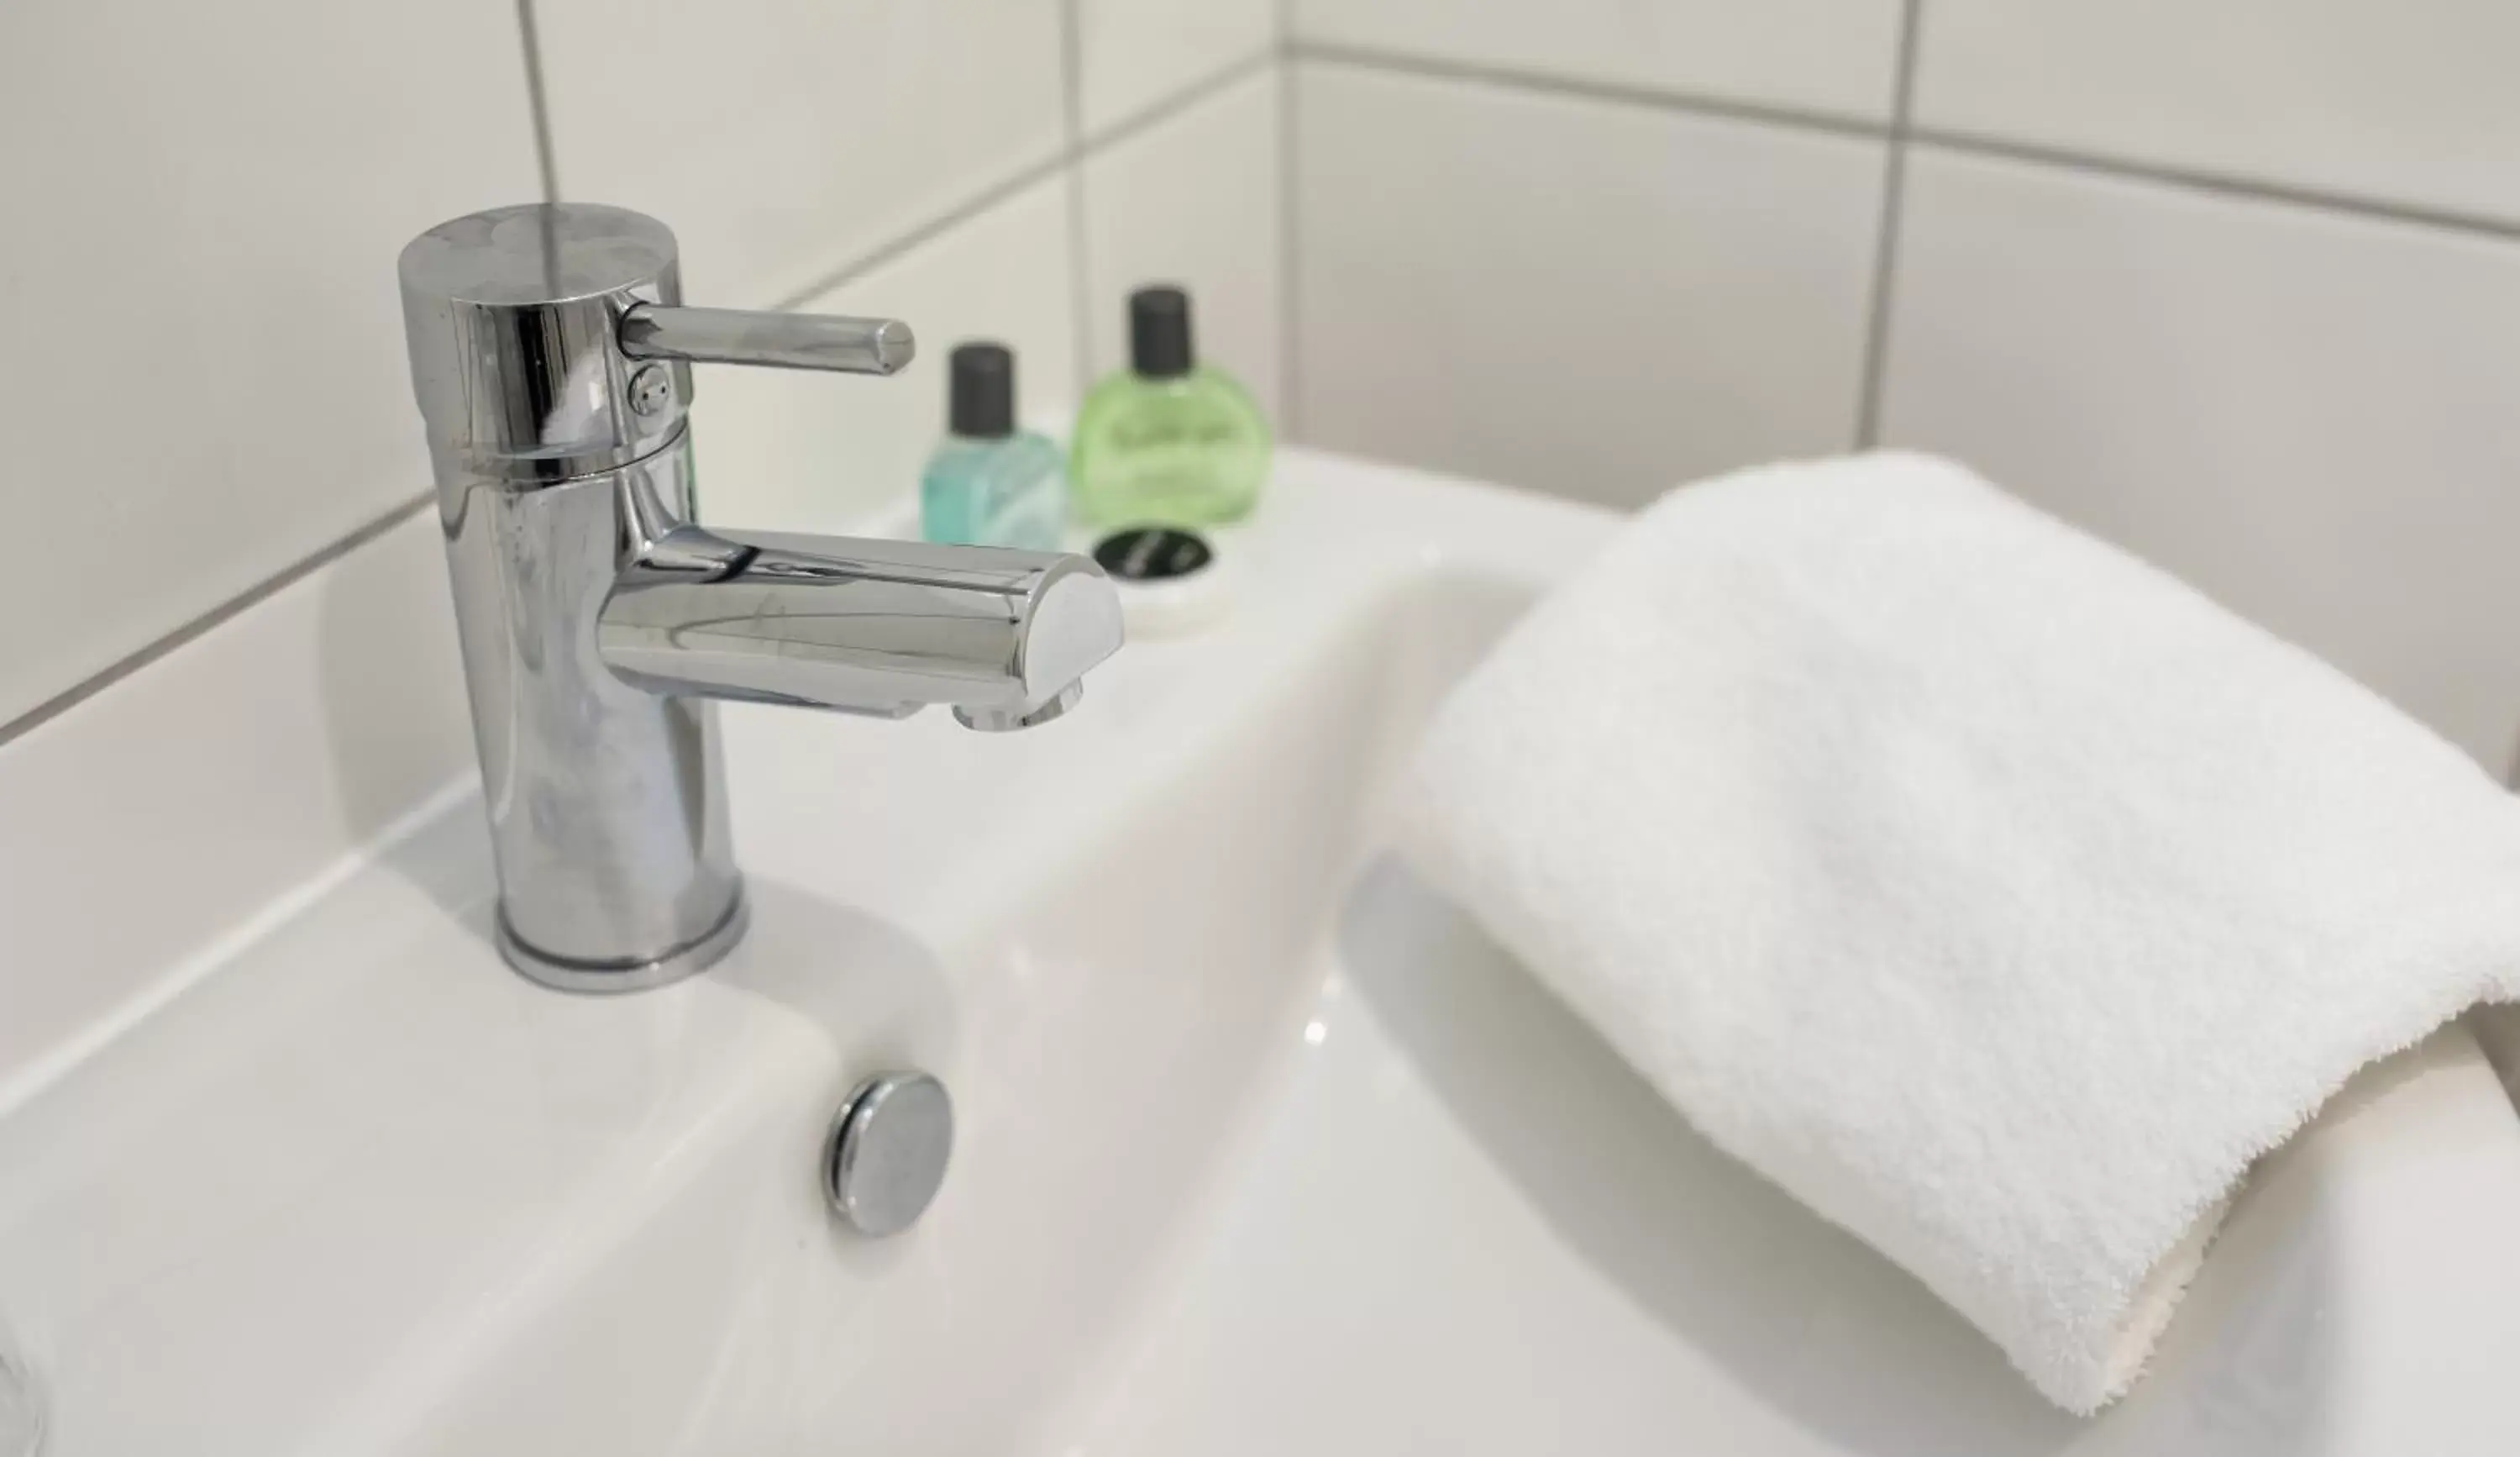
(1995, 894)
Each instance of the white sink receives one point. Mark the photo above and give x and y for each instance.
(1263, 1149)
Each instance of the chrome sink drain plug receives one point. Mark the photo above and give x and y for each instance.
(885, 1157)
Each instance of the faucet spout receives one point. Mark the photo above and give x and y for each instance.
(883, 627)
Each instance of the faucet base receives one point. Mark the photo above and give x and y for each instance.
(600, 977)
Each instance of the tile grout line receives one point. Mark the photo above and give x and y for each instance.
(2063, 159)
(1289, 233)
(1885, 246)
(892, 249)
(262, 591)
(537, 105)
(2165, 175)
(1164, 109)
(1516, 79)
(1080, 266)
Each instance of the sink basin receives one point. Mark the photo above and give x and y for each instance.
(1264, 1149)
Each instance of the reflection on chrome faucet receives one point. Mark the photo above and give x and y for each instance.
(598, 622)
(870, 626)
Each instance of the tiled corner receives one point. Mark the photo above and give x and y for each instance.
(807, 452)
(1594, 298)
(163, 812)
(1838, 57)
(1132, 55)
(1194, 200)
(2410, 102)
(204, 367)
(782, 139)
(2309, 415)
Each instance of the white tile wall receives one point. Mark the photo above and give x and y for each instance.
(782, 139)
(1136, 54)
(1193, 201)
(1595, 298)
(2314, 417)
(171, 808)
(2411, 101)
(203, 378)
(807, 452)
(1834, 56)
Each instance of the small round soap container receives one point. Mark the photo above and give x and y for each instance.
(1170, 580)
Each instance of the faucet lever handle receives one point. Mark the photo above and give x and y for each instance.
(779, 340)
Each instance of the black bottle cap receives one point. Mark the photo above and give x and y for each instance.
(981, 400)
(1159, 345)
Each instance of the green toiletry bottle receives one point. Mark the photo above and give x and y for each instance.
(1166, 442)
(989, 483)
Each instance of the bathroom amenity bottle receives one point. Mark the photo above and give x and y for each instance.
(989, 483)
(1166, 442)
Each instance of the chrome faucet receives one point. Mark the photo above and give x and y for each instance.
(550, 354)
